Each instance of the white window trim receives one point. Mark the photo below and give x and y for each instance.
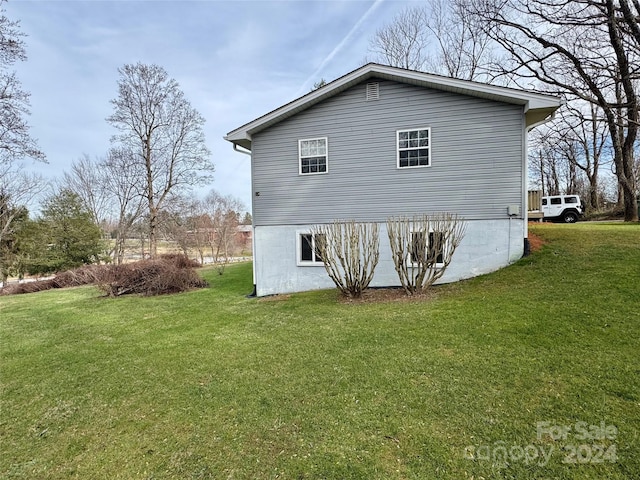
(326, 142)
(398, 148)
(438, 264)
(299, 261)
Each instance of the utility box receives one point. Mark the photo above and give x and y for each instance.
(513, 210)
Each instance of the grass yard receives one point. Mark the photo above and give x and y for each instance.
(530, 372)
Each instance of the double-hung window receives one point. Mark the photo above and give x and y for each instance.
(414, 147)
(313, 155)
(307, 249)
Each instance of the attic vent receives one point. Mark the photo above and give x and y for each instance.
(373, 91)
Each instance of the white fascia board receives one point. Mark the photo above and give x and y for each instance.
(530, 100)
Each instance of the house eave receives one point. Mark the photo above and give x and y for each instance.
(537, 106)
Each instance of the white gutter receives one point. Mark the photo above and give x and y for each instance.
(241, 150)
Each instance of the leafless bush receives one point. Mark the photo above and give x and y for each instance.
(85, 275)
(350, 252)
(422, 247)
(168, 274)
(26, 287)
(179, 261)
(150, 277)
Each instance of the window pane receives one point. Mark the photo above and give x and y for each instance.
(423, 156)
(403, 135)
(424, 134)
(322, 147)
(320, 239)
(436, 247)
(403, 143)
(413, 134)
(418, 247)
(306, 252)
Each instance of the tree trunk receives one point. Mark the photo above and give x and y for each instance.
(153, 223)
(630, 206)
(593, 192)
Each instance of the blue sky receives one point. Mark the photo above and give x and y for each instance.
(235, 60)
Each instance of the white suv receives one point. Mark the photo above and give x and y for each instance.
(564, 208)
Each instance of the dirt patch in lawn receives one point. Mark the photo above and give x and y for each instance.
(535, 242)
(391, 294)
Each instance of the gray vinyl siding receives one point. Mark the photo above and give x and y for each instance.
(476, 159)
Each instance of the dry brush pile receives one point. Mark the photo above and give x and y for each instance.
(164, 275)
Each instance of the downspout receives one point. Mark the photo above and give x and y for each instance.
(239, 149)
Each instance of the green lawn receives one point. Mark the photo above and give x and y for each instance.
(210, 384)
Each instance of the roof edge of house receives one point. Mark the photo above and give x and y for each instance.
(532, 101)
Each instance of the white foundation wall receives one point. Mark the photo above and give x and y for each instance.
(488, 245)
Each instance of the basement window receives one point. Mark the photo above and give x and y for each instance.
(306, 248)
(429, 249)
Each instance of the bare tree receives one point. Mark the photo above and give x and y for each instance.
(17, 190)
(350, 252)
(422, 247)
(110, 190)
(567, 154)
(86, 178)
(440, 37)
(582, 138)
(121, 180)
(545, 161)
(201, 225)
(404, 41)
(164, 132)
(15, 141)
(586, 49)
(224, 211)
(189, 225)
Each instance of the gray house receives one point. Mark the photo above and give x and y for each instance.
(384, 141)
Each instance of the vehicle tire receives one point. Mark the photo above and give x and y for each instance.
(569, 217)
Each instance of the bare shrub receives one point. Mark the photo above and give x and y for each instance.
(85, 275)
(150, 277)
(179, 261)
(27, 287)
(350, 253)
(422, 247)
(168, 274)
